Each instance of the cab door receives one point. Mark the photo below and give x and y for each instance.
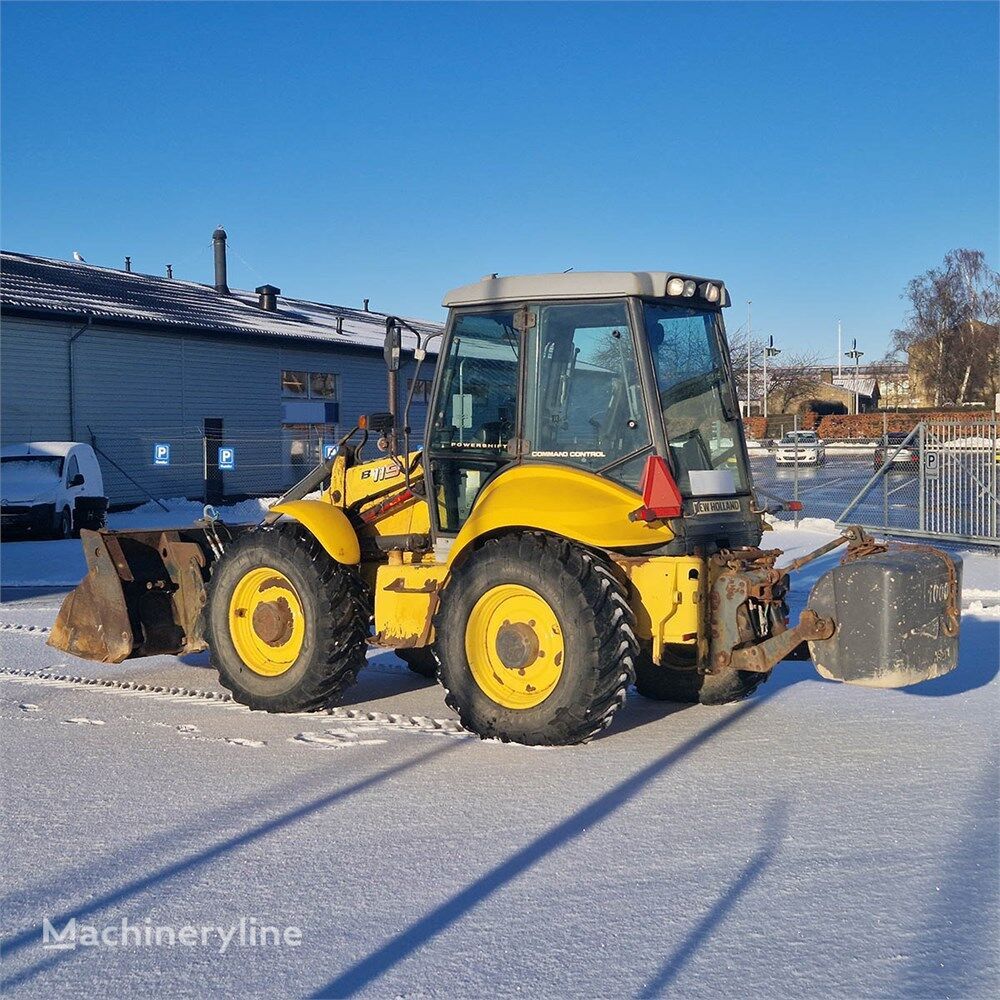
(475, 418)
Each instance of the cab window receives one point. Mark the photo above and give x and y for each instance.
(584, 405)
(72, 469)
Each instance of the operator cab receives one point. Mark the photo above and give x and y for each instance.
(598, 371)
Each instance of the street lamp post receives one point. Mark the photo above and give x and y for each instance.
(856, 356)
(749, 355)
(769, 352)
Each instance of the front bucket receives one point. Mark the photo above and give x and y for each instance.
(142, 595)
(896, 615)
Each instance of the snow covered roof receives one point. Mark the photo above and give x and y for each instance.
(862, 386)
(53, 449)
(42, 286)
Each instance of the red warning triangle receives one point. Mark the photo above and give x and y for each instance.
(660, 495)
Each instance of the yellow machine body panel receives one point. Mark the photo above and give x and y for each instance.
(405, 600)
(561, 500)
(328, 524)
(369, 485)
(666, 597)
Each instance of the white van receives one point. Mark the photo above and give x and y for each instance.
(51, 487)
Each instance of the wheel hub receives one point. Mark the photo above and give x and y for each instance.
(516, 645)
(273, 622)
(266, 621)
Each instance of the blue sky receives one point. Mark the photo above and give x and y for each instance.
(814, 156)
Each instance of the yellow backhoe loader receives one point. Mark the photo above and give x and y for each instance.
(580, 518)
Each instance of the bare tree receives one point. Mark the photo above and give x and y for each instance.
(794, 380)
(952, 334)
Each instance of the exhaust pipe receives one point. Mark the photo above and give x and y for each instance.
(219, 247)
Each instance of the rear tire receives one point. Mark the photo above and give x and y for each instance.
(311, 611)
(688, 686)
(552, 606)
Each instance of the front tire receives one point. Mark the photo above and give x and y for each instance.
(536, 641)
(65, 528)
(286, 623)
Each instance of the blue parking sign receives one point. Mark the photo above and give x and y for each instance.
(329, 450)
(161, 454)
(227, 458)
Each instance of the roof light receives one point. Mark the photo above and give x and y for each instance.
(689, 288)
(709, 292)
(675, 286)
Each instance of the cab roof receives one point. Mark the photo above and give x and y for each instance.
(571, 285)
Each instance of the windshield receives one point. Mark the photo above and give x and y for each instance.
(31, 471)
(799, 437)
(699, 412)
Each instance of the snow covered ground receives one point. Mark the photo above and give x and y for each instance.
(816, 841)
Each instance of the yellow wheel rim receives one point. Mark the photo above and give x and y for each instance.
(514, 645)
(266, 621)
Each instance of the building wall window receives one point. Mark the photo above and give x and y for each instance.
(322, 385)
(308, 385)
(303, 446)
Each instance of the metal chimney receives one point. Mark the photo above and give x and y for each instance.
(366, 305)
(268, 300)
(170, 270)
(128, 264)
(219, 246)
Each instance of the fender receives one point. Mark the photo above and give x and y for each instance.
(560, 500)
(328, 524)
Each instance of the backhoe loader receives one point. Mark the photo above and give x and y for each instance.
(579, 519)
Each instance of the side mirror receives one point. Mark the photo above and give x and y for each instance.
(77, 480)
(393, 345)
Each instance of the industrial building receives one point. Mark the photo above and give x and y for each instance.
(187, 389)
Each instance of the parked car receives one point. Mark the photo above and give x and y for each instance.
(899, 458)
(800, 448)
(51, 488)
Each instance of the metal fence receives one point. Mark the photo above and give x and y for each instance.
(939, 480)
(185, 461)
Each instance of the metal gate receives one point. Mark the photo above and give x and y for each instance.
(954, 495)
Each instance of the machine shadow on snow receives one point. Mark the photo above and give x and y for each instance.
(978, 661)
(11, 593)
(410, 940)
(965, 904)
(423, 930)
(31, 935)
(775, 825)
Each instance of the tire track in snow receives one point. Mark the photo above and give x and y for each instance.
(392, 720)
